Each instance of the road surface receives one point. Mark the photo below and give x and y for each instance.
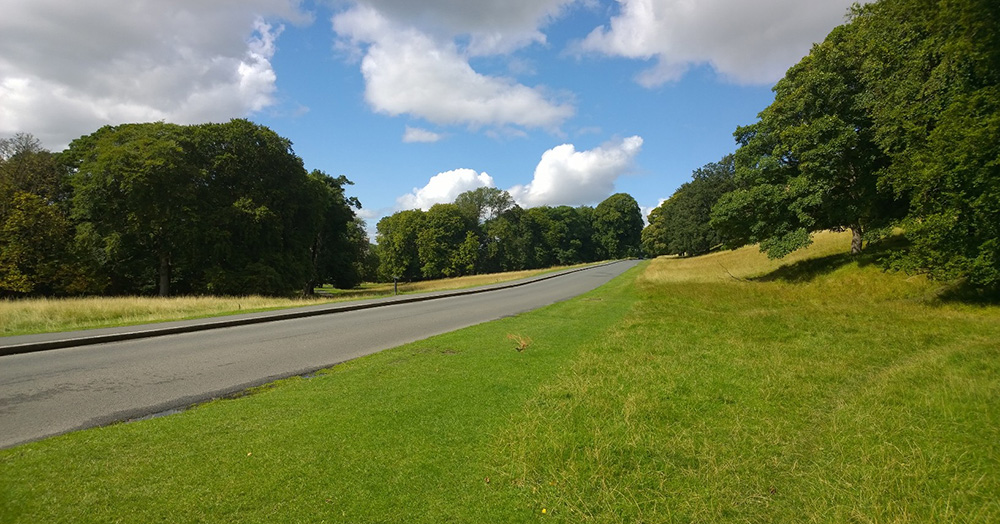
(53, 392)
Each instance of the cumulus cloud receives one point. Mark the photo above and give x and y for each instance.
(492, 26)
(66, 68)
(565, 176)
(745, 42)
(443, 188)
(418, 135)
(410, 71)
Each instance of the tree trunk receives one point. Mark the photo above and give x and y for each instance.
(164, 275)
(856, 240)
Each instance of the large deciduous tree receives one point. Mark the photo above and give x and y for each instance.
(811, 162)
(617, 226)
(216, 208)
(262, 219)
(509, 242)
(397, 245)
(442, 243)
(484, 203)
(933, 73)
(136, 192)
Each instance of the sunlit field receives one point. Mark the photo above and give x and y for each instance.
(18, 317)
(725, 388)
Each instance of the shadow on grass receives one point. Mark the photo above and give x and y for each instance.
(808, 270)
(965, 293)
(882, 255)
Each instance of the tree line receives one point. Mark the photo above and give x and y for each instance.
(162, 209)
(229, 208)
(484, 231)
(893, 121)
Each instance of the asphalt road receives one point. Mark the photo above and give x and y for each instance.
(52, 392)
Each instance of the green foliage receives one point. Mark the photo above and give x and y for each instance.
(681, 224)
(933, 71)
(216, 208)
(37, 255)
(509, 242)
(440, 242)
(811, 162)
(893, 120)
(397, 245)
(484, 232)
(485, 203)
(618, 227)
(266, 212)
(341, 241)
(136, 187)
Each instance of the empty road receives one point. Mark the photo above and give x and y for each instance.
(52, 392)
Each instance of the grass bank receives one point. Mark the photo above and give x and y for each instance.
(47, 315)
(718, 389)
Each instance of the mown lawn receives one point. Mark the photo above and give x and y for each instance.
(702, 390)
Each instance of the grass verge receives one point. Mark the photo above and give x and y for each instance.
(765, 396)
(47, 315)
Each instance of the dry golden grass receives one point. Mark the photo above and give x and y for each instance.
(40, 315)
(458, 282)
(825, 265)
(744, 263)
(44, 315)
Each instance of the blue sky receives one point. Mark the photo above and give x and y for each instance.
(559, 101)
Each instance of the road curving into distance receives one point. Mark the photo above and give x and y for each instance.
(50, 392)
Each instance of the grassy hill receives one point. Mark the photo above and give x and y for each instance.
(726, 388)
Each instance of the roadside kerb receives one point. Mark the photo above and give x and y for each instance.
(32, 347)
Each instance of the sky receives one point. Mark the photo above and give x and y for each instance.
(559, 102)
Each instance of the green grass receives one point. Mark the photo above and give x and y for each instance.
(731, 394)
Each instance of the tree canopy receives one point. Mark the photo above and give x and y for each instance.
(810, 163)
(485, 231)
(618, 227)
(893, 120)
(681, 224)
(161, 208)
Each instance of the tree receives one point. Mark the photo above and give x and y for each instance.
(262, 211)
(569, 234)
(36, 251)
(397, 245)
(135, 188)
(681, 224)
(439, 242)
(617, 227)
(340, 241)
(27, 167)
(508, 244)
(216, 208)
(811, 162)
(484, 203)
(933, 75)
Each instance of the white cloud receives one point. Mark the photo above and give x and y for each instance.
(493, 26)
(443, 188)
(413, 72)
(745, 42)
(418, 135)
(565, 176)
(66, 68)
